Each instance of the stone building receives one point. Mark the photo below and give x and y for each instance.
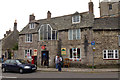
(75, 37)
(9, 42)
(109, 8)
(0, 48)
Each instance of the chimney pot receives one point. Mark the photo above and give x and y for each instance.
(4, 35)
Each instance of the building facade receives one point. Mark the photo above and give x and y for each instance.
(78, 37)
(9, 42)
(109, 8)
(0, 48)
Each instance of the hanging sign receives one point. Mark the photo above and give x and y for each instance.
(35, 52)
(63, 51)
(43, 47)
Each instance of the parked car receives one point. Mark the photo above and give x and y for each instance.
(18, 65)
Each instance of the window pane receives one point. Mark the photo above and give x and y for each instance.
(70, 34)
(45, 32)
(25, 53)
(77, 18)
(74, 34)
(70, 53)
(74, 52)
(56, 35)
(78, 53)
(53, 35)
(116, 53)
(78, 33)
(30, 52)
(41, 33)
(30, 37)
(104, 55)
(74, 19)
(49, 33)
(110, 6)
(119, 39)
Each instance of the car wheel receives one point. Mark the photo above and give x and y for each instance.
(3, 70)
(21, 71)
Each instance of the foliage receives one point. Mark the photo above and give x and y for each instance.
(15, 47)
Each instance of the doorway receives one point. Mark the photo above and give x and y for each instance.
(45, 58)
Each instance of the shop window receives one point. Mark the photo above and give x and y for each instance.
(28, 53)
(75, 53)
(110, 54)
(47, 33)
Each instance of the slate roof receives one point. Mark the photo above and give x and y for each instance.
(62, 22)
(106, 23)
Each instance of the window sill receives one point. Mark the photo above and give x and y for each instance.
(73, 59)
(110, 59)
(28, 42)
(75, 22)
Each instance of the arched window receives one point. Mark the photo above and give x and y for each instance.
(47, 33)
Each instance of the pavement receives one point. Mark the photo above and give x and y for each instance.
(78, 69)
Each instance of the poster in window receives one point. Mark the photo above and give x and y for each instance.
(35, 52)
(63, 51)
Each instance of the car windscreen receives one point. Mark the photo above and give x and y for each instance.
(21, 62)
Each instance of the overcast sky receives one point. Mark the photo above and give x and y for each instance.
(21, 9)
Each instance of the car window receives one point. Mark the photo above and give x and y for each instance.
(18, 62)
(7, 61)
(23, 61)
(12, 61)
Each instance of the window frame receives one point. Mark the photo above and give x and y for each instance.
(44, 25)
(72, 57)
(113, 52)
(30, 51)
(29, 38)
(119, 40)
(32, 25)
(110, 6)
(74, 19)
(77, 36)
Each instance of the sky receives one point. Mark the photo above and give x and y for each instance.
(11, 10)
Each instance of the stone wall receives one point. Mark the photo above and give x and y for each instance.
(105, 40)
(104, 9)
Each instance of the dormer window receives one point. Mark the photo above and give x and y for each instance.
(32, 25)
(76, 19)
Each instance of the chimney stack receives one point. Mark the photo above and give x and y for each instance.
(48, 15)
(31, 17)
(91, 10)
(15, 25)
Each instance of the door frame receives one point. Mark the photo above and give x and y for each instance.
(47, 60)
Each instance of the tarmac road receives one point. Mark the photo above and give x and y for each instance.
(39, 74)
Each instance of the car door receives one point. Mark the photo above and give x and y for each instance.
(13, 65)
(6, 64)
